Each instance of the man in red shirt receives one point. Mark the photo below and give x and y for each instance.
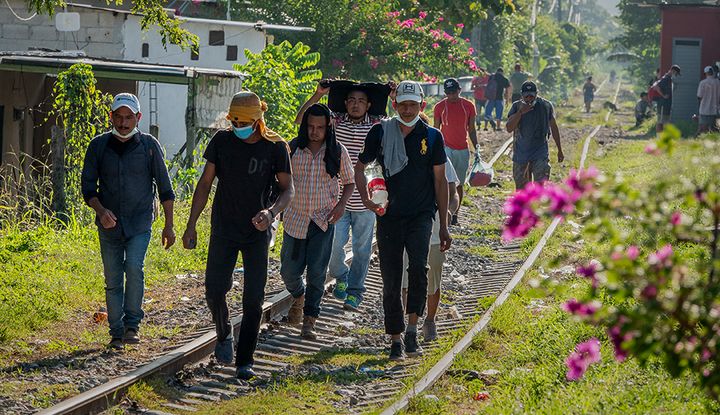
(479, 82)
(455, 117)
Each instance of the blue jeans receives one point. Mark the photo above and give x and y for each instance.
(494, 104)
(362, 224)
(123, 262)
(312, 253)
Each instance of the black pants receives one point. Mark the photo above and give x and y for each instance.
(395, 235)
(222, 257)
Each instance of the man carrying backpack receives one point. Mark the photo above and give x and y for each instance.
(531, 120)
(664, 88)
(121, 170)
(497, 91)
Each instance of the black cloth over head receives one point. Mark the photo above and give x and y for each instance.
(377, 94)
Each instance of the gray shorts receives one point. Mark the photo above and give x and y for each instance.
(460, 160)
(708, 120)
(436, 258)
(532, 171)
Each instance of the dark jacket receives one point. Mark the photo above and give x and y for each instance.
(126, 183)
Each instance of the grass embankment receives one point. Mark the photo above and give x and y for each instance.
(52, 279)
(530, 336)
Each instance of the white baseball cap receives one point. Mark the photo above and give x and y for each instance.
(409, 91)
(126, 99)
(708, 69)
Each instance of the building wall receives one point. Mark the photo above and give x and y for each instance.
(172, 99)
(21, 92)
(690, 22)
(100, 33)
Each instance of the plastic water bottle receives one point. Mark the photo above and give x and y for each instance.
(376, 186)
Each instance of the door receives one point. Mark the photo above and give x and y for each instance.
(687, 54)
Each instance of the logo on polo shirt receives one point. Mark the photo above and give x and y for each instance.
(423, 146)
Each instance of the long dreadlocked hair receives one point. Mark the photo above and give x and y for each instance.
(332, 147)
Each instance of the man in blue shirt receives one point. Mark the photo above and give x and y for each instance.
(121, 171)
(531, 119)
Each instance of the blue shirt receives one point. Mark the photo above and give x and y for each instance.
(531, 133)
(125, 183)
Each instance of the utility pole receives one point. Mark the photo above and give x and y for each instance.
(559, 10)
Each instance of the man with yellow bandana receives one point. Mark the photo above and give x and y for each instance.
(249, 161)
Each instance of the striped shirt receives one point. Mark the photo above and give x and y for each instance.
(352, 136)
(316, 193)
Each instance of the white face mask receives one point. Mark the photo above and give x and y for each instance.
(411, 123)
(128, 135)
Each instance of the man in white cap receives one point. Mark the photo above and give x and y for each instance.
(121, 171)
(708, 94)
(412, 156)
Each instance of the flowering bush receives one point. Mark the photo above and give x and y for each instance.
(657, 289)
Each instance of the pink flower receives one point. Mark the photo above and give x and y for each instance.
(460, 25)
(393, 14)
(632, 252)
(585, 354)
(447, 36)
(440, 19)
(675, 218)
(407, 23)
(662, 258)
(467, 40)
(581, 181)
(589, 272)
(618, 338)
(422, 15)
(435, 33)
(521, 217)
(471, 51)
(706, 355)
(560, 202)
(699, 195)
(472, 65)
(435, 45)
(652, 149)
(374, 63)
(649, 292)
(577, 308)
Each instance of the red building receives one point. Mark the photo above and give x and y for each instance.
(690, 37)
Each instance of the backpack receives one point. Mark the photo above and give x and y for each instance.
(653, 94)
(491, 89)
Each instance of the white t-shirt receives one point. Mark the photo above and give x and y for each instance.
(451, 177)
(709, 94)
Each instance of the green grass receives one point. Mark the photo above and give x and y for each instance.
(530, 336)
(49, 275)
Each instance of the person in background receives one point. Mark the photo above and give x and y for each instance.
(708, 94)
(643, 108)
(517, 78)
(250, 161)
(497, 91)
(455, 118)
(479, 82)
(323, 179)
(120, 172)
(588, 93)
(531, 120)
(664, 104)
(412, 156)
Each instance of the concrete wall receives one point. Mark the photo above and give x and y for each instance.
(20, 93)
(100, 33)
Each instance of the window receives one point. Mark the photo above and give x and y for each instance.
(232, 51)
(194, 54)
(145, 50)
(217, 37)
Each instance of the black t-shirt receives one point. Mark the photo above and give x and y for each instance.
(412, 190)
(120, 147)
(665, 86)
(246, 174)
(502, 83)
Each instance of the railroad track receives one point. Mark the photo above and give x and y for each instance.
(198, 380)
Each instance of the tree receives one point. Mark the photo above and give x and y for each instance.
(283, 76)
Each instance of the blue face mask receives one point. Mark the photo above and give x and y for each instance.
(244, 133)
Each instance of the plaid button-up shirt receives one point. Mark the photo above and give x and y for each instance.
(316, 193)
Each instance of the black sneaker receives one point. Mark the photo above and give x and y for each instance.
(396, 351)
(454, 220)
(412, 348)
(116, 343)
(245, 372)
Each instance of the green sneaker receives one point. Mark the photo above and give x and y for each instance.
(352, 303)
(340, 291)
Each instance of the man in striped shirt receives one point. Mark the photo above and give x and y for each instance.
(320, 164)
(351, 128)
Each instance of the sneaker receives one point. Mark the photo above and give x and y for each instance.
(131, 336)
(340, 291)
(485, 129)
(412, 348)
(116, 343)
(295, 315)
(224, 351)
(429, 330)
(308, 328)
(454, 220)
(396, 351)
(245, 372)
(352, 303)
